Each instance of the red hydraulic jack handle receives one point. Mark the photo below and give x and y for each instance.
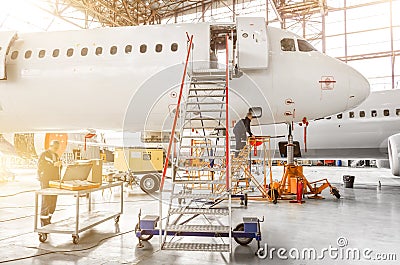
(299, 195)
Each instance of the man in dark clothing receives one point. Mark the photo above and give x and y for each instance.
(49, 166)
(240, 129)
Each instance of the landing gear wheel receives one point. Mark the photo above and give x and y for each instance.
(143, 237)
(150, 183)
(42, 237)
(335, 192)
(116, 219)
(241, 240)
(75, 239)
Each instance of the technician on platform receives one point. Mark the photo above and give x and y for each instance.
(49, 166)
(240, 129)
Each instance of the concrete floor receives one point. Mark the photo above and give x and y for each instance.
(367, 217)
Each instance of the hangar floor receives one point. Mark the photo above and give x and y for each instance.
(365, 218)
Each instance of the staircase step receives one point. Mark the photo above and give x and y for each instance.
(200, 169)
(202, 157)
(207, 103)
(206, 110)
(208, 82)
(206, 88)
(198, 181)
(198, 228)
(206, 119)
(207, 247)
(202, 146)
(204, 127)
(202, 137)
(211, 211)
(207, 96)
(194, 196)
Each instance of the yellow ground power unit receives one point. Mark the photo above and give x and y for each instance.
(139, 159)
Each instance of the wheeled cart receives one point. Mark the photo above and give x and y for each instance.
(81, 221)
(243, 233)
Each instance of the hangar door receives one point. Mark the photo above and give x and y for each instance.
(252, 43)
(6, 40)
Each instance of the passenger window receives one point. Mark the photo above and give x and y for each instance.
(28, 54)
(174, 47)
(304, 46)
(14, 55)
(42, 53)
(398, 112)
(374, 113)
(56, 52)
(128, 49)
(84, 51)
(70, 52)
(99, 51)
(288, 45)
(158, 47)
(386, 113)
(351, 114)
(362, 114)
(339, 116)
(143, 48)
(113, 50)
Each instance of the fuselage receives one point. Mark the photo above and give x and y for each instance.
(360, 133)
(127, 79)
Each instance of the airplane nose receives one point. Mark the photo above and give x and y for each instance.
(359, 89)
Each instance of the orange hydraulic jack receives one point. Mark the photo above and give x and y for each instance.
(293, 174)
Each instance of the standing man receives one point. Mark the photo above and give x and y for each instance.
(240, 129)
(49, 166)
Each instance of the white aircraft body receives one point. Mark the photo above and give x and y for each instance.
(370, 131)
(127, 78)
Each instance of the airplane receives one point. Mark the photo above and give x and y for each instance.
(127, 78)
(369, 132)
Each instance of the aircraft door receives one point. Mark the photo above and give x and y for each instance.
(6, 40)
(252, 43)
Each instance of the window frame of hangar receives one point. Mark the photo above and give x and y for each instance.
(293, 47)
(55, 53)
(113, 50)
(14, 55)
(174, 47)
(28, 54)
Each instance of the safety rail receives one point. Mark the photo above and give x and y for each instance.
(227, 141)
(176, 114)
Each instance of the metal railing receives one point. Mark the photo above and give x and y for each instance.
(227, 141)
(171, 139)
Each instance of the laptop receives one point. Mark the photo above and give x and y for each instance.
(77, 172)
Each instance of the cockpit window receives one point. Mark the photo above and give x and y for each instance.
(288, 45)
(304, 46)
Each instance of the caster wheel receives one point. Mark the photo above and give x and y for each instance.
(42, 237)
(116, 219)
(335, 192)
(75, 239)
(143, 237)
(241, 240)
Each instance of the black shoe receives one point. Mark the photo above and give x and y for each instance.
(44, 222)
